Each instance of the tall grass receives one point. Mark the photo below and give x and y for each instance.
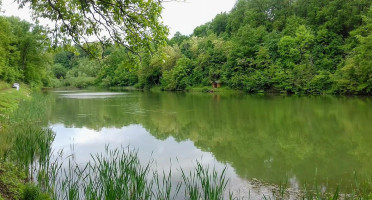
(119, 174)
(204, 183)
(25, 140)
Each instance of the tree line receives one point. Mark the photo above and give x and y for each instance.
(23, 53)
(288, 46)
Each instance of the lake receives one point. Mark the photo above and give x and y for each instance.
(264, 140)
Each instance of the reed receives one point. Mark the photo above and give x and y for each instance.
(203, 183)
(24, 122)
(31, 145)
(119, 174)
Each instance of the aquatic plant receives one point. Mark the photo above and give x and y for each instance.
(119, 174)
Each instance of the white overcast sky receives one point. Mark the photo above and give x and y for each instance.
(178, 16)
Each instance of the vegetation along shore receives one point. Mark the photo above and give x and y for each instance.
(305, 47)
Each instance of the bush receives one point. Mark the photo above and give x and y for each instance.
(205, 89)
(56, 83)
(179, 77)
(80, 82)
(32, 192)
(59, 71)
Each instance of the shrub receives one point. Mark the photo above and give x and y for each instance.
(32, 192)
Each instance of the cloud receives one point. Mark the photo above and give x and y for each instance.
(186, 16)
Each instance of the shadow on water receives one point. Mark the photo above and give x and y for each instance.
(263, 137)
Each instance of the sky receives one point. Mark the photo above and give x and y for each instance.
(178, 16)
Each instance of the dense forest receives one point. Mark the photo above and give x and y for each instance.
(287, 46)
(23, 53)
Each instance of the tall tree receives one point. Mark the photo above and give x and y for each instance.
(356, 75)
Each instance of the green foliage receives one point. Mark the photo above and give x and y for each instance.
(219, 23)
(22, 142)
(119, 174)
(304, 46)
(22, 52)
(356, 75)
(32, 192)
(276, 46)
(179, 77)
(201, 31)
(134, 24)
(178, 38)
(119, 69)
(10, 98)
(64, 58)
(82, 75)
(11, 181)
(59, 71)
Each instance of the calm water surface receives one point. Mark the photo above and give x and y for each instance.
(266, 138)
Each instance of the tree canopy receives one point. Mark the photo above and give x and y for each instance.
(286, 46)
(22, 52)
(134, 24)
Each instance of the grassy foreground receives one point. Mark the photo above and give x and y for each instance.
(10, 97)
(14, 181)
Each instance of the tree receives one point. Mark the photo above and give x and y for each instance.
(294, 46)
(179, 77)
(178, 38)
(4, 43)
(31, 42)
(22, 52)
(59, 71)
(219, 23)
(201, 31)
(132, 23)
(356, 75)
(64, 58)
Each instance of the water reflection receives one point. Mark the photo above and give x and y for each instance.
(269, 138)
(90, 95)
(165, 154)
(88, 141)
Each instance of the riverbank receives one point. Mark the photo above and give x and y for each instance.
(205, 89)
(14, 182)
(224, 90)
(10, 97)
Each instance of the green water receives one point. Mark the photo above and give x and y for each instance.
(269, 138)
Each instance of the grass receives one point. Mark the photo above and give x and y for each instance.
(204, 184)
(13, 184)
(11, 181)
(23, 141)
(9, 102)
(10, 98)
(22, 122)
(119, 174)
(4, 85)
